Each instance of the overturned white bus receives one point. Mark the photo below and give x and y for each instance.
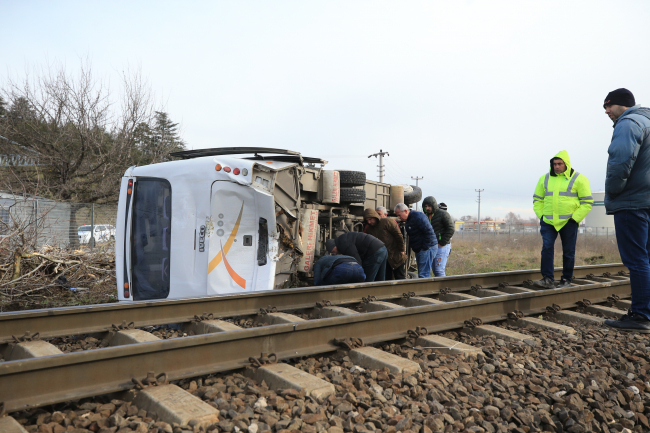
(212, 223)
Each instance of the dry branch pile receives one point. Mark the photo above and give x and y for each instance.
(52, 277)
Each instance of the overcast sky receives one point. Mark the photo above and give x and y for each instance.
(468, 94)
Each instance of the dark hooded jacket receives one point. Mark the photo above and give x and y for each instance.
(387, 231)
(358, 245)
(627, 184)
(441, 221)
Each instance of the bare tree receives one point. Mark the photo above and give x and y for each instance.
(513, 219)
(80, 135)
(82, 139)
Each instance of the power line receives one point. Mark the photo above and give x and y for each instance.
(381, 154)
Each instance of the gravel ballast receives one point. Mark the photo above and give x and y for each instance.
(595, 380)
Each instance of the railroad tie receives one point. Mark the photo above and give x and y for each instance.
(486, 293)
(624, 305)
(418, 301)
(446, 345)
(278, 318)
(572, 316)
(328, 311)
(10, 425)
(605, 311)
(581, 281)
(284, 376)
(498, 332)
(209, 327)
(173, 404)
(514, 289)
(370, 357)
(523, 322)
(373, 306)
(451, 297)
(30, 349)
(131, 336)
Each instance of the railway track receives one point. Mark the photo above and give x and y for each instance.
(372, 312)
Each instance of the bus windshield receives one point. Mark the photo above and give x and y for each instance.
(151, 238)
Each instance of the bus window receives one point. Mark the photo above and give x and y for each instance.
(151, 238)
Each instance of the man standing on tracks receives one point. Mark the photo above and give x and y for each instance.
(627, 197)
(561, 200)
(422, 238)
(387, 231)
(444, 228)
(367, 250)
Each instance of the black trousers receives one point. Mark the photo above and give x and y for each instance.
(396, 274)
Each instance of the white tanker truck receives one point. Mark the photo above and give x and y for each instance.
(212, 223)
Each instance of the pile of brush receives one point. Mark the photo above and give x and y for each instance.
(53, 277)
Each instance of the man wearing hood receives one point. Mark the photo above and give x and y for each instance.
(444, 228)
(627, 197)
(387, 231)
(562, 199)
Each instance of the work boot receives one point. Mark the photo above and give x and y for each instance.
(544, 283)
(564, 283)
(633, 322)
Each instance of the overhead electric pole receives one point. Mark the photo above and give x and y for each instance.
(479, 212)
(381, 163)
(417, 183)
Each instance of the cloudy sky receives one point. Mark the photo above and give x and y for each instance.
(468, 94)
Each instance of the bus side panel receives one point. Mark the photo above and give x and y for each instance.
(234, 239)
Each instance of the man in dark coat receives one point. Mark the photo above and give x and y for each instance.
(367, 250)
(444, 227)
(422, 238)
(339, 269)
(387, 231)
(627, 196)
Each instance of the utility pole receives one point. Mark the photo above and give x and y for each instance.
(479, 191)
(417, 183)
(381, 163)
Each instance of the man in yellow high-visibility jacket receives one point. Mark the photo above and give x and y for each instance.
(562, 199)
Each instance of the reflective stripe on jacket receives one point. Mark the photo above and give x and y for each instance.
(560, 197)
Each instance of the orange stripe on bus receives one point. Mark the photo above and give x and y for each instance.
(236, 278)
(217, 259)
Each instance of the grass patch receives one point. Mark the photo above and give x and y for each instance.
(511, 253)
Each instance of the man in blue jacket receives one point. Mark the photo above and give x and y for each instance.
(338, 269)
(422, 238)
(627, 197)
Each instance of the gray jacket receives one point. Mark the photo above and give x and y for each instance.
(627, 184)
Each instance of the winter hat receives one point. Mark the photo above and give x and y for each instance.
(330, 244)
(442, 206)
(621, 97)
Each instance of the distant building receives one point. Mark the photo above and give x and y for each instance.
(597, 221)
(598, 217)
(489, 226)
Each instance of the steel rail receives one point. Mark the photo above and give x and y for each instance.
(99, 318)
(40, 381)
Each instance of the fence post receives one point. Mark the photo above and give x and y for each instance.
(92, 226)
